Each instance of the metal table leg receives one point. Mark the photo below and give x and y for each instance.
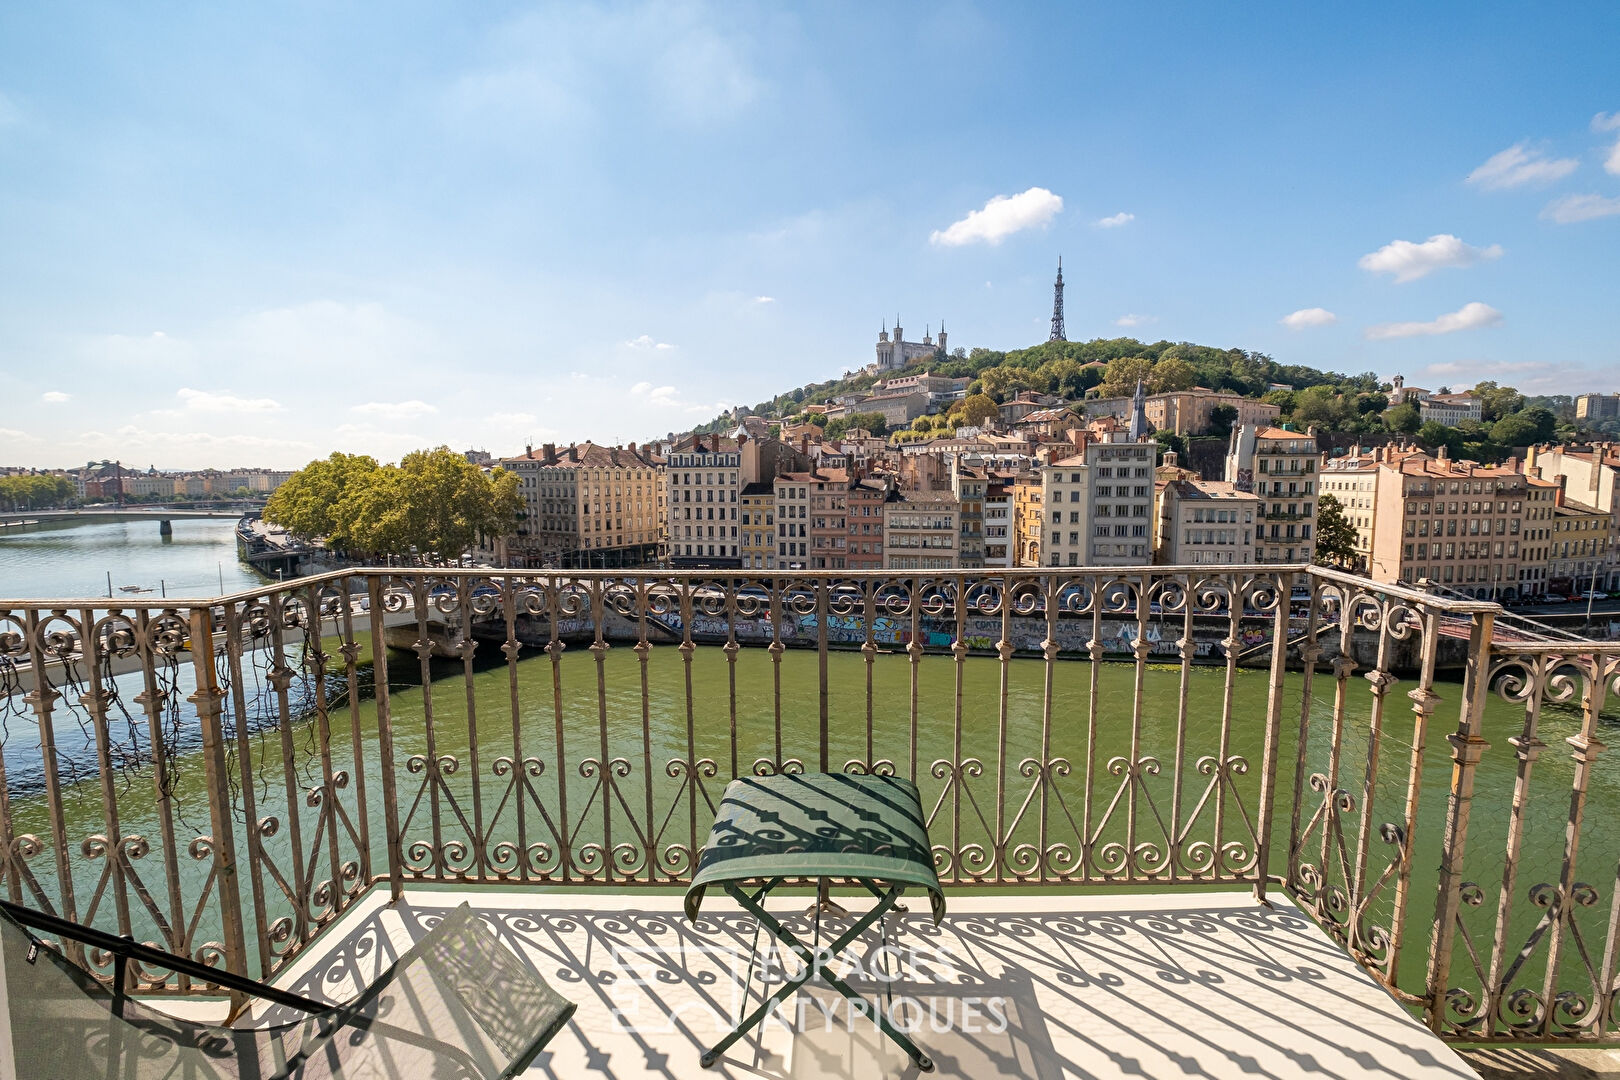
(807, 957)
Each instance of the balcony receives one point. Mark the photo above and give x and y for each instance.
(1116, 766)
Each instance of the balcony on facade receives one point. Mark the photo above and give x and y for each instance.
(293, 782)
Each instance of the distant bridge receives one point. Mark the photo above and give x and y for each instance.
(127, 513)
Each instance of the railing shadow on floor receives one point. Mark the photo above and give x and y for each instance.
(1150, 988)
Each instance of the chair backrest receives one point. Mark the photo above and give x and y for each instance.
(457, 1004)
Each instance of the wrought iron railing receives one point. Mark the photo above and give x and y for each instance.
(224, 777)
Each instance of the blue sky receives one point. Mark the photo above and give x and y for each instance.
(254, 234)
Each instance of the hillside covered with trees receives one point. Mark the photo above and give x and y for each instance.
(1109, 367)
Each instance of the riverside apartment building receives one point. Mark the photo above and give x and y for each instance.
(586, 506)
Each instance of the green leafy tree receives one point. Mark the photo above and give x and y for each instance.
(998, 382)
(36, 491)
(434, 505)
(1122, 375)
(923, 424)
(1319, 405)
(1171, 373)
(1283, 399)
(1433, 435)
(1404, 419)
(1221, 419)
(1169, 440)
(320, 500)
(875, 422)
(1497, 401)
(978, 410)
(1534, 425)
(1335, 536)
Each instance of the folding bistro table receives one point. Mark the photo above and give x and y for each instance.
(769, 829)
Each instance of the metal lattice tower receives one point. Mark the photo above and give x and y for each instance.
(1057, 306)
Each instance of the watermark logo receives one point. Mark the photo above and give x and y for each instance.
(918, 989)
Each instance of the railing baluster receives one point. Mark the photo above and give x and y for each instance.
(1310, 652)
(554, 650)
(281, 677)
(209, 700)
(250, 795)
(510, 648)
(1045, 775)
(1586, 747)
(1135, 777)
(776, 649)
(914, 655)
(1466, 748)
(959, 651)
(43, 699)
(95, 702)
(1094, 653)
(316, 658)
(643, 651)
(1274, 711)
(730, 649)
(688, 648)
(1380, 680)
(350, 651)
(475, 768)
(1178, 771)
(869, 654)
(1236, 602)
(599, 650)
(385, 738)
(1004, 655)
(1424, 700)
(823, 738)
(421, 601)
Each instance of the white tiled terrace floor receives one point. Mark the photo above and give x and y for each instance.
(1122, 985)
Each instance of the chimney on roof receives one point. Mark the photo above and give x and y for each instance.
(1444, 453)
(573, 451)
(549, 451)
(1558, 495)
(529, 449)
(632, 448)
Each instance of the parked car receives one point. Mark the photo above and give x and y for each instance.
(1593, 594)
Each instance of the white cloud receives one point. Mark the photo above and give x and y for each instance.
(195, 445)
(1114, 221)
(9, 113)
(764, 299)
(395, 410)
(1305, 318)
(656, 395)
(1517, 166)
(1000, 218)
(646, 341)
(1409, 261)
(12, 435)
(1135, 320)
(1468, 317)
(1609, 122)
(55, 397)
(205, 401)
(1573, 208)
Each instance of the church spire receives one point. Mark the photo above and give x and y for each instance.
(1057, 306)
(1139, 418)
